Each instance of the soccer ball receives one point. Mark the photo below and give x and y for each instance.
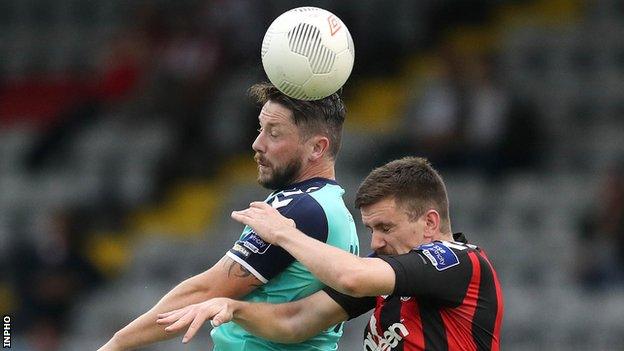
(307, 53)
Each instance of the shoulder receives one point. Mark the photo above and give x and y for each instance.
(303, 199)
(309, 215)
(445, 254)
(295, 203)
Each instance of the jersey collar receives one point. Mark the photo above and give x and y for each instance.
(460, 238)
(308, 183)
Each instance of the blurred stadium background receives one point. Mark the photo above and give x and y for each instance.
(125, 138)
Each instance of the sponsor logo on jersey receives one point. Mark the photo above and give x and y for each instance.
(386, 342)
(441, 256)
(255, 244)
(239, 248)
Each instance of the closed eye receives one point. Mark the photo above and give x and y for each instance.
(385, 227)
(381, 227)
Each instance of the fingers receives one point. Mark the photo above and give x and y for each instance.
(256, 207)
(259, 205)
(223, 316)
(184, 320)
(240, 217)
(197, 322)
(218, 311)
(194, 317)
(170, 317)
(252, 212)
(166, 314)
(247, 216)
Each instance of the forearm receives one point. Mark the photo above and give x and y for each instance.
(333, 266)
(144, 330)
(268, 321)
(290, 322)
(225, 279)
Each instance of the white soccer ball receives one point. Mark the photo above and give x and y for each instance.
(308, 53)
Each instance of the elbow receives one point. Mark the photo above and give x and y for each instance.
(293, 334)
(352, 288)
(296, 339)
(352, 283)
(290, 325)
(290, 339)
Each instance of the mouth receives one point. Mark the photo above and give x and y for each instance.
(261, 162)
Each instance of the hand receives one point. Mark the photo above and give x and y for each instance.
(266, 221)
(218, 310)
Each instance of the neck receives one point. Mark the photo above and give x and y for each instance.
(446, 236)
(442, 237)
(323, 169)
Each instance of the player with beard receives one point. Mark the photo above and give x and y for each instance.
(295, 149)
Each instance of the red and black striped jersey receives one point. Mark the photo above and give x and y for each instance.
(447, 296)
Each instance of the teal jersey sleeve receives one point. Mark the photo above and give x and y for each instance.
(317, 207)
(266, 261)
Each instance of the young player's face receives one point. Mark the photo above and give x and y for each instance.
(392, 232)
(278, 147)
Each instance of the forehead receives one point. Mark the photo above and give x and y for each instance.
(385, 210)
(275, 113)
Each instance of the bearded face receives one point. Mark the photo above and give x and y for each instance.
(272, 176)
(279, 147)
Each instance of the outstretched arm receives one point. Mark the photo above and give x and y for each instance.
(226, 278)
(347, 273)
(286, 323)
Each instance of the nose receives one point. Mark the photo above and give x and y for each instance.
(377, 242)
(258, 145)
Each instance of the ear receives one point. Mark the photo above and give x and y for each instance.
(432, 224)
(319, 145)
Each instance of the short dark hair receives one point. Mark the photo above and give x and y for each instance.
(414, 185)
(325, 116)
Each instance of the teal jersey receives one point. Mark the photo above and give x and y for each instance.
(318, 210)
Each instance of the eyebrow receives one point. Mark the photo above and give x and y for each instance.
(379, 224)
